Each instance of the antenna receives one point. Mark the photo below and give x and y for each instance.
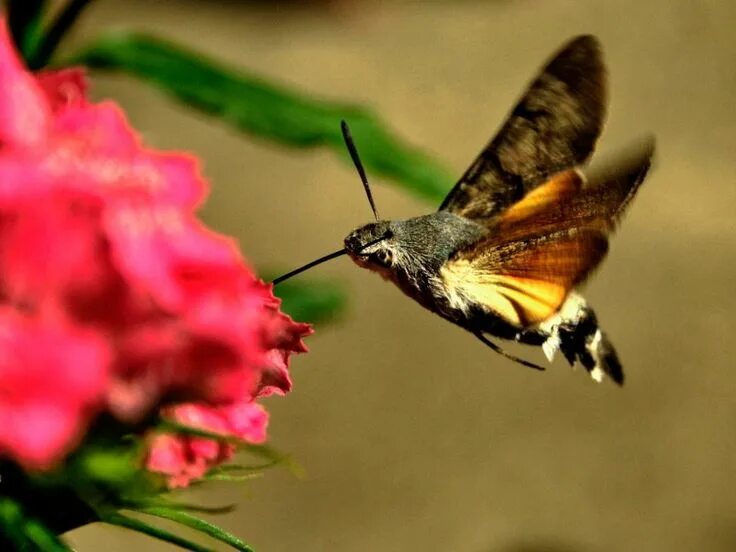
(358, 165)
(364, 179)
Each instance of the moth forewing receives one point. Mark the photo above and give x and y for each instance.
(553, 127)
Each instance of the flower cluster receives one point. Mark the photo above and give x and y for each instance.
(114, 298)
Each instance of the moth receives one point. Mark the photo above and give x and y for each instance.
(524, 226)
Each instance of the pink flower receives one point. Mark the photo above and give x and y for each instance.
(184, 458)
(99, 238)
(52, 378)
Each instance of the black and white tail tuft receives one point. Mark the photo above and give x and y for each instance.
(575, 332)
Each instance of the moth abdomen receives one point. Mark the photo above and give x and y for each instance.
(575, 332)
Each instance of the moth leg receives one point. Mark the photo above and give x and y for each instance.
(501, 352)
(549, 342)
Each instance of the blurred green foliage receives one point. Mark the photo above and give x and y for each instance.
(24, 18)
(315, 301)
(267, 110)
(18, 531)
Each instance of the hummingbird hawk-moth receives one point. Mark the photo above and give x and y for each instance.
(523, 227)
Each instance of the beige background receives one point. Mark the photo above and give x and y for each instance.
(413, 436)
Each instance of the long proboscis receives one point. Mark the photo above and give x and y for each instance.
(307, 266)
(321, 260)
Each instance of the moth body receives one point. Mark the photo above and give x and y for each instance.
(418, 254)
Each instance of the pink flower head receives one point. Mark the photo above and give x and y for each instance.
(100, 245)
(184, 458)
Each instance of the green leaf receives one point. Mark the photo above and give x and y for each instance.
(11, 524)
(44, 47)
(43, 538)
(312, 301)
(24, 19)
(197, 524)
(162, 502)
(133, 524)
(236, 473)
(240, 469)
(26, 533)
(267, 110)
(241, 478)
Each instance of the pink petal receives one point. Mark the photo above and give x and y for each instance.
(24, 111)
(61, 231)
(247, 420)
(99, 133)
(52, 381)
(64, 87)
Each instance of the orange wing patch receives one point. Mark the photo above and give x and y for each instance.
(520, 301)
(544, 209)
(526, 284)
(533, 300)
(545, 244)
(557, 189)
(567, 201)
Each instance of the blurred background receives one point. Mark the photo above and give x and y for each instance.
(412, 435)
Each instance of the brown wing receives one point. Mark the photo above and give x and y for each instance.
(553, 127)
(548, 243)
(567, 202)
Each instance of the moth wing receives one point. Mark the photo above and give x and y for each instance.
(526, 282)
(548, 243)
(553, 127)
(573, 200)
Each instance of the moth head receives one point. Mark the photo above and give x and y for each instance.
(372, 246)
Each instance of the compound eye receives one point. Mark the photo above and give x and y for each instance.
(384, 257)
